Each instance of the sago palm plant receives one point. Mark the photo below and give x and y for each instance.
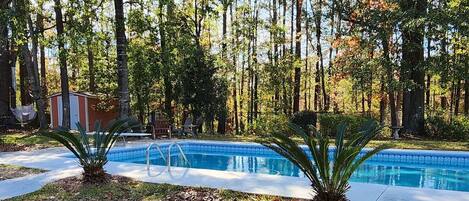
(91, 153)
(328, 169)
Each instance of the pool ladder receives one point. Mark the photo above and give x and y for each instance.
(168, 160)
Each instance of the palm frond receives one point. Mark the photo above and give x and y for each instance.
(326, 176)
(91, 154)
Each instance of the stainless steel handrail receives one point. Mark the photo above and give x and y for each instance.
(148, 154)
(180, 150)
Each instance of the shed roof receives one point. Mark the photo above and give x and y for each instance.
(85, 94)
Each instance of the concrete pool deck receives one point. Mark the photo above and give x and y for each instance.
(54, 160)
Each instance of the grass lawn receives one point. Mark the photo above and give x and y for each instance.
(13, 171)
(121, 188)
(397, 144)
(21, 141)
(26, 141)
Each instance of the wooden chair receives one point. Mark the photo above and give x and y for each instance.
(161, 128)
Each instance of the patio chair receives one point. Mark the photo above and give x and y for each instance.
(198, 124)
(161, 128)
(186, 129)
(190, 127)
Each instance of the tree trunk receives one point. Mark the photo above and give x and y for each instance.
(90, 55)
(63, 65)
(42, 53)
(168, 87)
(466, 97)
(362, 93)
(319, 64)
(427, 87)
(331, 49)
(296, 88)
(33, 72)
(284, 23)
(241, 95)
(223, 43)
(5, 81)
(285, 101)
(451, 101)
(412, 60)
(457, 96)
(256, 64)
(382, 102)
(11, 77)
(221, 116)
(306, 78)
(250, 77)
(122, 71)
(5, 70)
(235, 69)
(291, 57)
(24, 83)
(389, 80)
(274, 38)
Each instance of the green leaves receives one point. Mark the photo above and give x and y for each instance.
(329, 174)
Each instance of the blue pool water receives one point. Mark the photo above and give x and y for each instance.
(422, 169)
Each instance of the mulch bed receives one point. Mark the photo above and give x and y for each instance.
(9, 147)
(74, 185)
(10, 172)
(195, 194)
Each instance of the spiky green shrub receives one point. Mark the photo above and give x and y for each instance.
(328, 122)
(328, 170)
(92, 153)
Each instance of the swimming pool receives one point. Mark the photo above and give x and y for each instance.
(446, 170)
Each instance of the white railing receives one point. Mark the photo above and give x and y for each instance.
(168, 160)
(180, 150)
(148, 154)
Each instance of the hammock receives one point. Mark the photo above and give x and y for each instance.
(24, 113)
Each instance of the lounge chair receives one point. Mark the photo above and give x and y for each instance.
(126, 134)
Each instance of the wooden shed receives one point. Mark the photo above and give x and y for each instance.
(85, 108)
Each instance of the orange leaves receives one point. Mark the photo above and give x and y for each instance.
(353, 42)
(348, 42)
(381, 5)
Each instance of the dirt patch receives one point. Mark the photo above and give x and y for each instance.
(196, 194)
(74, 184)
(12, 171)
(10, 147)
